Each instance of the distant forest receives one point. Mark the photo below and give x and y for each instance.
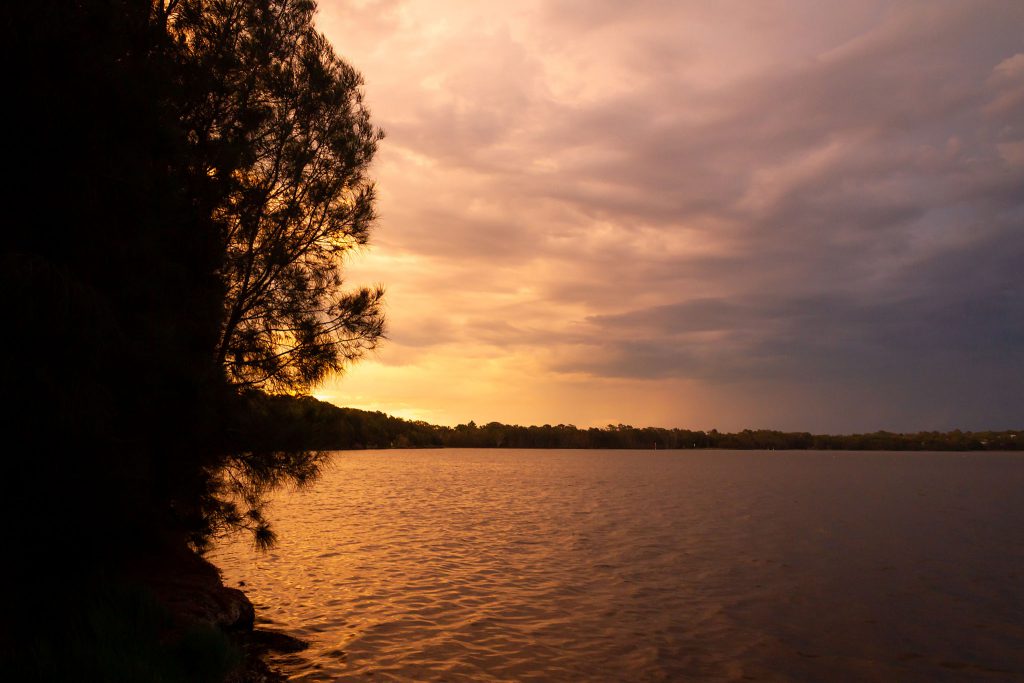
(305, 422)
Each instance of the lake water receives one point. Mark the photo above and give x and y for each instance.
(514, 565)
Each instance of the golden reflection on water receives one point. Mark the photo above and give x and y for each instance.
(633, 565)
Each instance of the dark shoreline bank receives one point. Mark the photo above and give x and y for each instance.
(162, 615)
(190, 587)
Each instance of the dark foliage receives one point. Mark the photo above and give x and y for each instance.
(496, 435)
(276, 122)
(112, 631)
(184, 178)
(305, 422)
(110, 271)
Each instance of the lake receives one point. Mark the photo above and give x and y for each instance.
(515, 565)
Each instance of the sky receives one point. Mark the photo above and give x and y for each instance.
(783, 214)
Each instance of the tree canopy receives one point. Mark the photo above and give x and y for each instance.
(277, 120)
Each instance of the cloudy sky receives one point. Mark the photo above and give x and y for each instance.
(782, 214)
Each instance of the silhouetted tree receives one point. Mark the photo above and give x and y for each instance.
(276, 122)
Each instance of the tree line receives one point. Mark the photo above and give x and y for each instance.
(316, 424)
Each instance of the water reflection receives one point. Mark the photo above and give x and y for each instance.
(534, 565)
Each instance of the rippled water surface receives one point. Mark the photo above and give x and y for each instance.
(648, 566)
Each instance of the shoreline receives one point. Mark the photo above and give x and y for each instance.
(192, 591)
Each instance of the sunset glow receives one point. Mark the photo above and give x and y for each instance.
(794, 215)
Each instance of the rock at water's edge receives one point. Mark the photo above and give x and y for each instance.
(190, 588)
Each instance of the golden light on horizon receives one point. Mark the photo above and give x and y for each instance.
(691, 215)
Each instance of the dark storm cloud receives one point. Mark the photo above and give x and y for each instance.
(875, 181)
(953, 331)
